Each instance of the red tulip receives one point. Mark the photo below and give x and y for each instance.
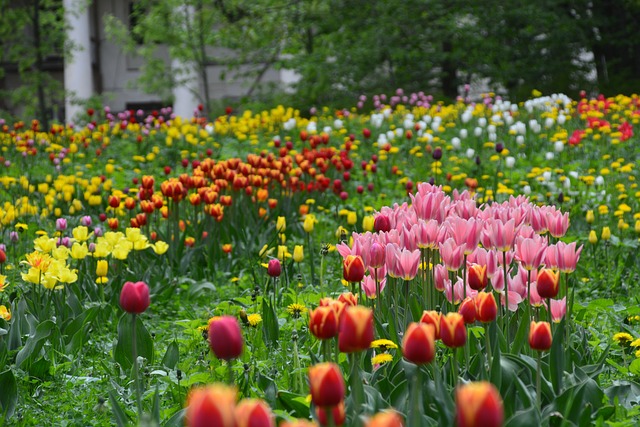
(452, 330)
(468, 310)
(478, 404)
(134, 297)
(274, 268)
(486, 307)
(348, 299)
(353, 268)
(382, 223)
(418, 344)
(211, 406)
(254, 413)
(432, 317)
(327, 384)
(225, 337)
(477, 277)
(540, 336)
(323, 322)
(548, 283)
(356, 329)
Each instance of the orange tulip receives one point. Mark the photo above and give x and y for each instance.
(356, 329)
(211, 405)
(323, 322)
(432, 317)
(353, 269)
(418, 344)
(468, 310)
(486, 307)
(452, 330)
(327, 384)
(254, 413)
(348, 299)
(477, 277)
(385, 419)
(540, 336)
(478, 404)
(548, 283)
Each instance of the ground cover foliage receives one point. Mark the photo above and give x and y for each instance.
(256, 231)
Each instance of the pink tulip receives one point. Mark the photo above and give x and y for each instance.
(538, 220)
(558, 309)
(514, 299)
(466, 233)
(502, 234)
(376, 255)
(369, 286)
(530, 252)
(534, 298)
(440, 275)
(405, 262)
(568, 256)
(557, 222)
(551, 257)
(451, 254)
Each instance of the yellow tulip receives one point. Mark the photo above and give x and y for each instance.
(281, 224)
(298, 253)
(606, 233)
(593, 238)
(309, 223)
(367, 223)
(590, 217)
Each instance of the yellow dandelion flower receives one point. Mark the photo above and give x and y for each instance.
(296, 310)
(623, 338)
(383, 344)
(381, 359)
(254, 319)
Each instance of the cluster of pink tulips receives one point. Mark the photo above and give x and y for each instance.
(463, 248)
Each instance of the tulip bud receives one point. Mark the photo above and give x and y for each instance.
(452, 330)
(3, 256)
(540, 336)
(548, 283)
(309, 223)
(432, 317)
(385, 419)
(323, 322)
(254, 413)
(211, 405)
(377, 255)
(353, 269)
(356, 329)
(114, 201)
(382, 223)
(486, 307)
(590, 217)
(61, 224)
(418, 344)
(274, 268)
(134, 297)
(477, 277)
(225, 337)
(593, 237)
(349, 299)
(468, 310)
(327, 384)
(338, 413)
(606, 233)
(281, 224)
(298, 253)
(478, 404)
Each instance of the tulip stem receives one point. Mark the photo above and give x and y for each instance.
(311, 255)
(454, 355)
(230, 371)
(357, 389)
(415, 416)
(538, 396)
(506, 304)
(487, 339)
(136, 376)
(328, 410)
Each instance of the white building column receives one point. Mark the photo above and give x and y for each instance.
(185, 92)
(187, 80)
(78, 77)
